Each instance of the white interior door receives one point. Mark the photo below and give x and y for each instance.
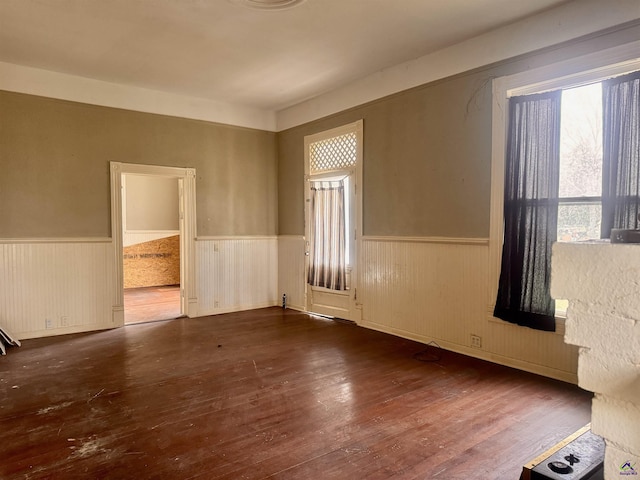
(334, 156)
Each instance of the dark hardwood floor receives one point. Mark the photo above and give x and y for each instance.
(147, 304)
(269, 393)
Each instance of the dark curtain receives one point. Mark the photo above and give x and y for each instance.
(530, 211)
(621, 154)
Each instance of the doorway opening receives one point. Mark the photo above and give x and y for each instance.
(333, 198)
(153, 233)
(151, 247)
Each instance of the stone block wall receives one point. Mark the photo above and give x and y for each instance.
(602, 283)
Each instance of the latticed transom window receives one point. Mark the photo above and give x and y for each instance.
(335, 153)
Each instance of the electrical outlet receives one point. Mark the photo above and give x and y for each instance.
(64, 321)
(216, 304)
(476, 341)
(48, 323)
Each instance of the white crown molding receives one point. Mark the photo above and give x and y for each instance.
(45, 83)
(549, 28)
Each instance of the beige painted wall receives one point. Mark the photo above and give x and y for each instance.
(55, 155)
(427, 173)
(426, 170)
(427, 162)
(151, 203)
(427, 151)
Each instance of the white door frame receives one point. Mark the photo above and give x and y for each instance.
(187, 187)
(354, 306)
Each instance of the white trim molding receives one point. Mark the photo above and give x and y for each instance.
(551, 27)
(449, 240)
(527, 366)
(13, 241)
(235, 237)
(36, 81)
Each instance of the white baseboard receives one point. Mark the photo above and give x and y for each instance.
(236, 308)
(545, 371)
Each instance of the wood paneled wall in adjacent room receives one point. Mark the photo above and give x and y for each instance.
(153, 263)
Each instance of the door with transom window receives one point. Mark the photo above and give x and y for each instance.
(333, 175)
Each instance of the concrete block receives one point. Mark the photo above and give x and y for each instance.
(617, 310)
(617, 422)
(608, 334)
(605, 274)
(611, 375)
(620, 464)
(602, 283)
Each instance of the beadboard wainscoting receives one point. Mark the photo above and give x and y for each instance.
(56, 286)
(436, 289)
(426, 289)
(291, 270)
(236, 273)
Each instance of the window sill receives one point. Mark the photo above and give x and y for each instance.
(560, 324)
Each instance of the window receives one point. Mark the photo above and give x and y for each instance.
(580, 184)
(580, 202)
(333, 154)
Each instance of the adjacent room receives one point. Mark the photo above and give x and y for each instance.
(319, 238)
(150, 248)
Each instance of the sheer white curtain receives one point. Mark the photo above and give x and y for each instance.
(327, 235)
(621, 158)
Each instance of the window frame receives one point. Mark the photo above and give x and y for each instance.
(574, 72)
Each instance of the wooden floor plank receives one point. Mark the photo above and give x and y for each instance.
(148, 304)
(270, 393)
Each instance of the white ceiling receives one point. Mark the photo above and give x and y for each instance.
(222, 51)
